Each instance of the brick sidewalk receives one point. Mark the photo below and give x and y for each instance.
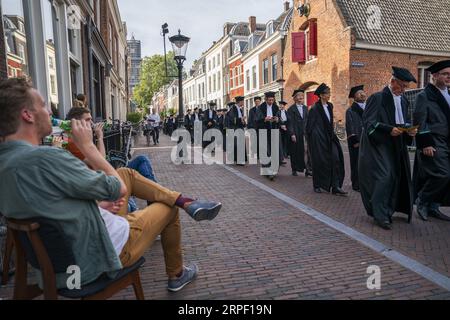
(262, 248)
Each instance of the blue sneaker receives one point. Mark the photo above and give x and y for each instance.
(201, 210)
(189, 275)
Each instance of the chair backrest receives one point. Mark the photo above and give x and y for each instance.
(55, 243)
(41, 243)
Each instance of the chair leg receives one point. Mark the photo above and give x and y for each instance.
(9, 245)
(137, 286)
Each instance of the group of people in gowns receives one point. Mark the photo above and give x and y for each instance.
(379, 132)
(380, 136)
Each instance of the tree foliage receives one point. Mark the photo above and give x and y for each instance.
(153, 77)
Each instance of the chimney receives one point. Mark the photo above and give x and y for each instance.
(252, 23)
(286, 6)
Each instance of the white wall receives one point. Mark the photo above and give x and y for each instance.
(214, 71)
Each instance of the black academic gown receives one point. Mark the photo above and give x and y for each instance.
(326, 151)
(254, 116)
(236, 123)
(432, 175)
(208, 124)
(189, 125)
(296, 127)
(354, 127)
(384, 163)
(284, 136)
(268, 126)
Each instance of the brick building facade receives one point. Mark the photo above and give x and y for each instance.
(347, 43)
(3, 68)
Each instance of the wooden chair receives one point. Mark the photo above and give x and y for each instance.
(42, 244)
(9, 246)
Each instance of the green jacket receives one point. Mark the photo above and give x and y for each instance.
(51, 183)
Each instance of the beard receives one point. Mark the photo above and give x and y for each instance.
(44, 126)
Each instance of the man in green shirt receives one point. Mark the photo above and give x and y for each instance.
(89, 205)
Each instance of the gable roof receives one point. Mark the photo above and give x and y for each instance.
(414, 24)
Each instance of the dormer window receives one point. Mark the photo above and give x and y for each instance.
(237, 47)
(269, 29)
(250, 42)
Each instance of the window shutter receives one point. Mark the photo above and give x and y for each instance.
(313, 38)
(298, 47)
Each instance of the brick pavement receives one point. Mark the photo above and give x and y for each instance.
(427, 242)
(261, 248)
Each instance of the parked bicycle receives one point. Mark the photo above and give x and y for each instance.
(121, 158)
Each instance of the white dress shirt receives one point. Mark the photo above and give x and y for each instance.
(156, 119)
(300, 110)
(239, 112)
(327, 112)
(210, 114)
(399, 119)
(362, 105)
(283, 116)
(269, 111)
(446, 95)
(118, 229)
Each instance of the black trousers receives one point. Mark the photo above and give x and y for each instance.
(354, 160)
(335, 183)
(284, 143)
(155, 135)
(434, 190)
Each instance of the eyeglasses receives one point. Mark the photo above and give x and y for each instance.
(445, 74)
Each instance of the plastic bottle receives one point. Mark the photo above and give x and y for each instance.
(65, 125)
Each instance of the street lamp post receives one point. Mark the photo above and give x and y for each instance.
(281, 82)
(179, 45)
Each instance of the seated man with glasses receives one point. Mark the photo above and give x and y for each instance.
(50, 183)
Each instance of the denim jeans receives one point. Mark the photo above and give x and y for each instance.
(143, 165)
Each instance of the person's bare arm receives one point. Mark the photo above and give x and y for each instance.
(82, 137)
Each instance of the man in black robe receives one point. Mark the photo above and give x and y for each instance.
(209, 121)
(354, 127)
(326, 151)
(297, 118)
(269, 121)
(171, 125)
(432, 168)
(254, 116)
(384, 163)
(189, 124)
(236, 121)
(284, 135)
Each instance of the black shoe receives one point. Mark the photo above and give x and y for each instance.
(308, 174)
(203, 210)
(283, 163)
(272, 178)
(339, 192)
(384, 224)
(317, 190)
(436, 213)
(295, 174)
(423, 212)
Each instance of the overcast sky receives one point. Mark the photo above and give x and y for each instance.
(201, 20)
